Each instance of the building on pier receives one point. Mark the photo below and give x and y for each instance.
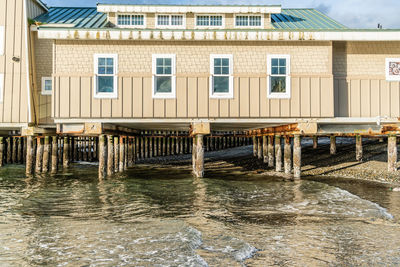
(262, 69)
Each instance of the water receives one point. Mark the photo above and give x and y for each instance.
(160, 216)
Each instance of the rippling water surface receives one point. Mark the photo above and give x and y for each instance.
(164, 217)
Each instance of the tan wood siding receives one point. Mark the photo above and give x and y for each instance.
(363, 97)
(311, 97)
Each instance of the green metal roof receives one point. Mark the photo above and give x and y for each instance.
(89, 18)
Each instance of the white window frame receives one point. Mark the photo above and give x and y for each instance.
(183, 26)
(287, 94)
(2, 40)
(96, 69)
(172, 94)
(132, 26)
(391, 77)
(249, 27)
(44, 91)
(210, 27)
(1, 87)
(228, 95)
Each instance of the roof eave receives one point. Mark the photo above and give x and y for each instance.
(42, 5)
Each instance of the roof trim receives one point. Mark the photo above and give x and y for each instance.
(43, 5)
(217, 35)
(107, 8)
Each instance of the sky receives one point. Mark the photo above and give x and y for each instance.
(352, 13)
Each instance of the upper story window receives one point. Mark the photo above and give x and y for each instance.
(164, 79)
(105, 82)
(171, 21)
(209, 21)
(136, 21)
(221, 79)
(47, 85)
(279, 76)
(250, 21)
(2, 40)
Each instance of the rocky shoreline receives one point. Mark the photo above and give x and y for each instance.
(316, 162)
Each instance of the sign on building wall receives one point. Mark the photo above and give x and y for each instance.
(393, 69)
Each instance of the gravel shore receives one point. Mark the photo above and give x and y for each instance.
(316, 162)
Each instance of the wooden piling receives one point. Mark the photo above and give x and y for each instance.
(1, 151)
(392, 153)
(65, 152)
(60, 150)
(278, 153)
(333, 145)
(121, 154)
(110, 155)
(126, 154)
(198, 156)
(24, 150)
(90, 149)
(265, 149)
(14, 150)
(271, 154)
(297, 157)
(29, 155)
(20, 158)
(81, 149)
(39, 155)
(46, 154)
(287, 158)
(9, 150)
(255, 146)
(359, 149)
(130, 152)
(102, 157)
(315, 142)
(54, 155)
(116, 154)
(260, 147)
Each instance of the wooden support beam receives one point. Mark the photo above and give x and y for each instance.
(198, 156)
(260, 148)
(9, 150)
(116, 154)
(110, 155)
(20, 143)
(359, 149)
(102, 157)
(29, 155)
(278, 153)
(392, 153)
(39, 155)
(14, 150)
(265, 149)
(54, 155)
(46, 154)
(121, 154)
(24, 151)
(271, 152)
(333, 145)
(1, 151)
(65, 152)
(288, 155)
(315, 142)
(297, 157)
(255, 146)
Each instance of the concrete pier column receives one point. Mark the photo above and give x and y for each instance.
(392, 153)
(278, 153)
(288, 155)
(1, 151)
(255, 146)
(14, 150)
(46, 154)
(315, 142)
(9, 150)
(359, 149)
(110, 155)
(29, 155)
(260, 147)
(333, 145)
(116, 154)
(65, 152)
(297, 157)
(271, 152)
(102, 157)
(54, 155)
(121, 154)
(198, 156)
(265, 149)
(39, 155)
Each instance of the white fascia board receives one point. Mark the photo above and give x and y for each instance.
(186, 9)
(198, 35)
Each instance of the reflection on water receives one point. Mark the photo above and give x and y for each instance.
(156, 216)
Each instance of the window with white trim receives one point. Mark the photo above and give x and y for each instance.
(2, 40)
(1, 87)
(221, 79)
(248, 21)
(171, 21)
(105, 80)
(47, 85)
(164, 76)
(209, 21)
(131, 21)
(278, 76)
